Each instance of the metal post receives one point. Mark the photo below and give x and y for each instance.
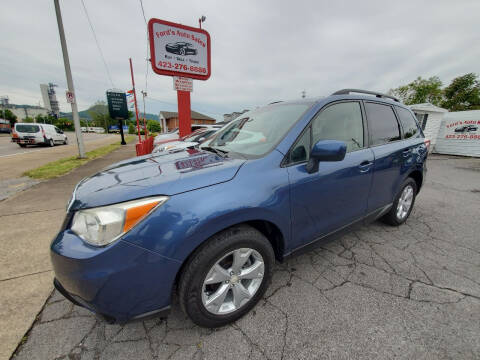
(68, 73)
(135, 99)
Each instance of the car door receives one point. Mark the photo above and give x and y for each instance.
(337, 194)
(58, 135)
(390, 153)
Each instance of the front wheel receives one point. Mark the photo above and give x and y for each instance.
(51, 143)
(403, 204)
(226, 276)
(65, 142)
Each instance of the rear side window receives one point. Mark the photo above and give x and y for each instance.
(27, 128)
(382, 124)
(409, 124)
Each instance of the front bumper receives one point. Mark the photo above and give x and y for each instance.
(120, 282)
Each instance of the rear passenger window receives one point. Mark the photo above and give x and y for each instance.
(341, 121)
(409, 124)
(382, 124)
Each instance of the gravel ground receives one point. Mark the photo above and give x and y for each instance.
(379, 292)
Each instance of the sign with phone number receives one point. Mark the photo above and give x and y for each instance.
(463, 130)
(179, 50)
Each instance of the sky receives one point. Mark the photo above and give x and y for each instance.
(262, 51)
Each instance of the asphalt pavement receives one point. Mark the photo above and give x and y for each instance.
(381, 292)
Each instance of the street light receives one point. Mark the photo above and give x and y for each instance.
(200, 20)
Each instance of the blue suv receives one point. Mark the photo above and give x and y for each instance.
(209, 222)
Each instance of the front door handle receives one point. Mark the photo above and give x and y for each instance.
(365, 165)
(406, 152)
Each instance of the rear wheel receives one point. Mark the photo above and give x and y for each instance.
(403, 204)
(226, 276)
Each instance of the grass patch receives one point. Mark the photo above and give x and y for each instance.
(65, 165)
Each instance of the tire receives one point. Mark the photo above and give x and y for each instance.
(22, 145)
(194, 293)
(65, 142)
(51, 143)
(395, 217)
(182, 51)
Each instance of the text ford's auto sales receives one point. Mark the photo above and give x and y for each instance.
(463, 130)
(181, 50)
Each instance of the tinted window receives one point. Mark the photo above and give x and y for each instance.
(382, 124)
(409, 123)
(27, 128)
(301, 150)
(343, 122)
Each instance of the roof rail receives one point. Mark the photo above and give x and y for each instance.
(377, 94)
(275, 102)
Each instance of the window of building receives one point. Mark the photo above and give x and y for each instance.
(341, 121)
(382, 123)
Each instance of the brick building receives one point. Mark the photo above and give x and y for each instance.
(169, 119)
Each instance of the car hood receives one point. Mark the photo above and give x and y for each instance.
(154, 174)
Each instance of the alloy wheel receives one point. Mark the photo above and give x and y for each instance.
(405, 202)
(233, 281)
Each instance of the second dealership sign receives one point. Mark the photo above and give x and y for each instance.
(179, 50)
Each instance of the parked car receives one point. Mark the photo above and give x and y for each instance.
(181, 48)
(174, 134)
(191, 140)
(466, 128)
(211, 222)
(38, 134)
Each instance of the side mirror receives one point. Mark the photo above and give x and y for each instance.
(326, 150)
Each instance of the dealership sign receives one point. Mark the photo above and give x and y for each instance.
(182, 84)
(179, 50)
(463, 130)
(117, 105)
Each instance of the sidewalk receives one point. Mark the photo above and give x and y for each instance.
(28, 222)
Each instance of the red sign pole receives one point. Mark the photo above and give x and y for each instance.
(184, 115)
(135, 99)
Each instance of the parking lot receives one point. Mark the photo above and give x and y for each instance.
(379, 292)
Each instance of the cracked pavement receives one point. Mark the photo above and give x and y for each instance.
(379, 292)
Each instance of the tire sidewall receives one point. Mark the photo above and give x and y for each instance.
(236, 241)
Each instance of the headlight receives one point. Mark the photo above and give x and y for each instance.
(102, 225)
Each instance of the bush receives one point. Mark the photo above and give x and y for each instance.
(153, 126)
(131, 129)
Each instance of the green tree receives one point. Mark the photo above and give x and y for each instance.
(131, 128)
(420, 91)
(463, 93)
(100, 117)
(64, 124)
(8, 115)
(153, 126)
(28, 119)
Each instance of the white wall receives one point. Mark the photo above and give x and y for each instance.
(432, 128)
(459, 143)
(31, 112)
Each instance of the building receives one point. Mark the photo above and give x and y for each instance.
(232, 116)
(50, 98)
(459, 134)
(169, 119)
(23, 111)
(430, 118)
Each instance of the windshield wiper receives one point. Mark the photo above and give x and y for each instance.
(220, 152)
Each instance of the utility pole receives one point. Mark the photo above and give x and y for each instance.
(68, 73)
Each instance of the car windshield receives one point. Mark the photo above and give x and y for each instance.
(257, 132)
(26, 128)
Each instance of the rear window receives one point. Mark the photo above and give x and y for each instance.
(27, 128)
(382, 124)
(409, 123)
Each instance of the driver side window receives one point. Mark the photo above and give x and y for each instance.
(340, 121)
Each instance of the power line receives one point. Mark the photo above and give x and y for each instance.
(98, 44)
(147, 59)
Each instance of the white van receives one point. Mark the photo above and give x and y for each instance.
(30, 134)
